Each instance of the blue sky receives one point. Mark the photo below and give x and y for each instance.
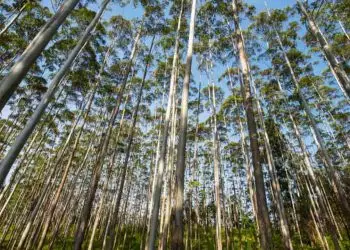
(131, 12)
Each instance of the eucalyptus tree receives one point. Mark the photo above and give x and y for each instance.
(178, 229)
(32, 52)
(234, 104)
(70, 89)
(237, 158)
(262, 209)
(286, 159)
(74, 79)
(11, 45)
(149, 18)
(161, 75)
(275, 180)
(14, 41)
(194, 184)
(64, 115)
(212, 49)
(212, 93)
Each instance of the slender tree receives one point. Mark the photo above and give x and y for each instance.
(33, 51)
(262, 210)
(178, 229)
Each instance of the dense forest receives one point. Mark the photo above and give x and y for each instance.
(184, 124)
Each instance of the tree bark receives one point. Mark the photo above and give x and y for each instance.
(217, 163)
(178, 229)
(18, 71)
(262, 209)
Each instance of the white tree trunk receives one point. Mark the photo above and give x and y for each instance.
(178, 232)
(9, 84)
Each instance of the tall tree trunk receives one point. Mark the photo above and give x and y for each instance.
(38, 202)
(217, 180)
(60, 188)
(72, 186)
(26, 152)
(294, 214)
(164, 233)
(18, 71)
(262, 210)
(195, 162)
(332, 227)
(178, 229)
(217, 164)
(336, 68)
(153, 173)
(343, 29)
(31, 124)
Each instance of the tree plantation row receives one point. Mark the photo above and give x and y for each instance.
(184, 124)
